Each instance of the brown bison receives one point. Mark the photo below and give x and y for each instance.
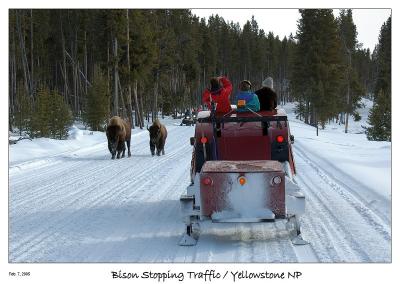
(118, 132)
(158, 135)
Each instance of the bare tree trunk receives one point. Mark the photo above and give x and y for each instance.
(64, 65)
(137, 123)
(12, 78)
(13, 75)
(346, 125)
(11, 82)
(108, 68)
(129, 71)
(138, 111)
(130, 108)
(75, 74)
(142, 111)
(77, 84)
(123, 114)
(116, 107)
(154, 114)
(86, 67)
(348, 97)
(32, 79)
(24, 57)
(307, 115)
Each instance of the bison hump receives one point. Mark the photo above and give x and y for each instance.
(116, 121)
(117, 124)
(157, 123)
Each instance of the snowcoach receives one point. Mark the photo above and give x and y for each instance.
(242, 171)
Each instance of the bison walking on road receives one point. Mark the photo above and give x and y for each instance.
(118, 132)
(158, 135)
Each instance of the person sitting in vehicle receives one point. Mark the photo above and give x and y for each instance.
(218, 92)
(247, 99)
(267, 96)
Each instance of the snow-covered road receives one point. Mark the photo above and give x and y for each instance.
(342, 225)
(81, 206)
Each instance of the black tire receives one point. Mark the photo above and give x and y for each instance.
(200, 155)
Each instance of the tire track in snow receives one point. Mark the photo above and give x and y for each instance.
(336, 216)
(67, 156)
(147, 192)
(332, 234)
(168, 193)
(15, 169)
(37, 182)
(362, 193)
(375, 219)
(113, 192)
(80, 178)
(281, 246)
(45, 233)
(56, 224)
(73, 216)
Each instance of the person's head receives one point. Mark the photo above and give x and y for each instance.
(214, 84)
(268, 82)
(244, 86)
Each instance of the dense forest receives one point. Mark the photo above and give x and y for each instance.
(88, 65)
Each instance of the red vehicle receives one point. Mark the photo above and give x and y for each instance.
(242, 171)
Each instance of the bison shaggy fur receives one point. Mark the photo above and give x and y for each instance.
(158, 135)
(118, 132)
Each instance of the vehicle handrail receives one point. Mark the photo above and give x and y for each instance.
(243, 119)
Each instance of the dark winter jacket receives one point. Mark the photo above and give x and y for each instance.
(250, 101)
(267, 98)
(220, 96)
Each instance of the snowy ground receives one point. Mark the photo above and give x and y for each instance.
(69, 202)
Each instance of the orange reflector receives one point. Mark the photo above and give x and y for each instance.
(242, 180)
(280, 138)
(241, 103)
(203, 140)
(207, 181)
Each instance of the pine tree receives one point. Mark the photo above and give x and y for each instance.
(51, 116)
(40, 123)
(61, 116)
(380, 119)
(352, 89)
(23, 110)
(384, 57)
(316, 74)
(143, 55)
(363, 65)
(97, 103)
(380, 115)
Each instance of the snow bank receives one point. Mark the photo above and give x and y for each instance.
(26, 150)
(78, 138)
(368, 162)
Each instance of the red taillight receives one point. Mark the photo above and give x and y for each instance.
(207, 181)
(203, 140)
(280, 138)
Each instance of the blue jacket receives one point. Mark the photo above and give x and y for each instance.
(251, 100)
